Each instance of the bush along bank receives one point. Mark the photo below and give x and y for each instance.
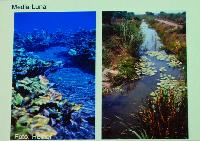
(121, 41)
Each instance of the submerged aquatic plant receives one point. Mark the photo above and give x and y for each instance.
(81, 42)
(145, 67)
(34, 94)
(38, 109)
(26, 64)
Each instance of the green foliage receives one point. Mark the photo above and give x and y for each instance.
(135, 39)
(131, 36)
(140, 135)
(17, 99)
(32, 117)
(165, 113)
(174, 42)
(126, 71)
(41, 100)
(149, 13)
(31, 86)
(176, 17)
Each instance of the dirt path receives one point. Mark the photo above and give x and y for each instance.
(169, 23)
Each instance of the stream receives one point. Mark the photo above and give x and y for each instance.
(120, 108)
(76, 83)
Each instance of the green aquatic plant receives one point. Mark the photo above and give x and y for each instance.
(31, 86)
(37, 125)
(34, 109)
(145, 67)
(126, 68)
(140, 135)
(172, 59)
(38, 115)
(158, 54)
(17, 99)
(165, 113)
(41, 100)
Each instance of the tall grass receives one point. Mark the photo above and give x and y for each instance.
(164, 117)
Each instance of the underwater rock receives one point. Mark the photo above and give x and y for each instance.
(83, 41)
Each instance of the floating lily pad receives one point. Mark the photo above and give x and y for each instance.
(39, 121)
(34, 109)
(145, 67)
(18, 112)
(169, 83)
(17, 99)
(160, 55)
(41, 100)
(43, 131)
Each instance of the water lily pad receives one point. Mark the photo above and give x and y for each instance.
(39, 121)
(34, 109)
(43, 131)
(17, 99)
(145, 67)
(41, 100)
(18, 112)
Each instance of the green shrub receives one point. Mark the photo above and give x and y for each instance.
(126, 68)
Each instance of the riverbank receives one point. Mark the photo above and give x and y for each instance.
(121, 41)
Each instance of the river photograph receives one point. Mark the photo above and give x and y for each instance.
(144, 75)
(53, 76)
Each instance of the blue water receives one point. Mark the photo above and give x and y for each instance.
(76, 82)
(53, 21)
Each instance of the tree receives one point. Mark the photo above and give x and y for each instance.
(107, 16)
(149, 13)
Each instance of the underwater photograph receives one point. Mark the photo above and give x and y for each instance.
(53, 76)
(144, 75)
